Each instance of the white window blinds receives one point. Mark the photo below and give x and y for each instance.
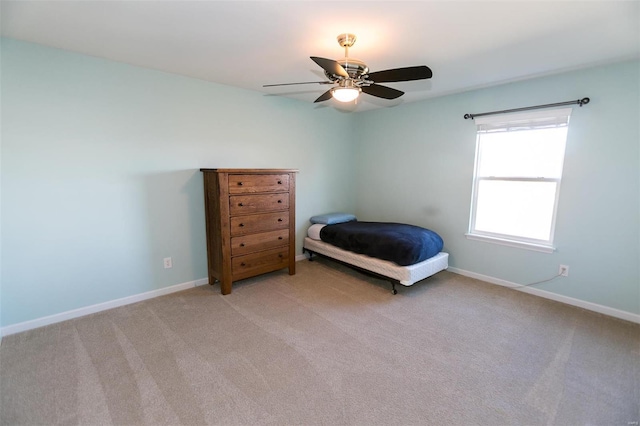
(524, 120)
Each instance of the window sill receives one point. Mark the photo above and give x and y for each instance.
(511, 243)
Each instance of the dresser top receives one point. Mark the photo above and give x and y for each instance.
(247, 171)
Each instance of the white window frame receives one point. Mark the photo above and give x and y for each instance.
(511, 122)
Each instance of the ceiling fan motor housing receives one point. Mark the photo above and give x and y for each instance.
(354, 67)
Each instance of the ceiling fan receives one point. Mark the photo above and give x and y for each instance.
(351, 76)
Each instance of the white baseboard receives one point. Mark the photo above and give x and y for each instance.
(63, 316)
(617, 313)
(52, 319)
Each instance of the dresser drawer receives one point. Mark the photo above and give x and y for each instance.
(258, 242)
(251, 184)
(246, 204)
(254, 223)
(259, 263)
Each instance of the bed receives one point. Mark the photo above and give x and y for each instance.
(400, 253)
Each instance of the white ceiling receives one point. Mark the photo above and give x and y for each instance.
(467, 44)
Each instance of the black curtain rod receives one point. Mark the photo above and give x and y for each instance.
(580, 102)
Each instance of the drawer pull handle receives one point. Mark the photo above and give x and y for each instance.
(279, 201)
(279, 238)
(240, 205)
(239, 183)
(241, 244)
(280, 255)
(241, 225)
(279, 220)
(243, 264)
(279, 182)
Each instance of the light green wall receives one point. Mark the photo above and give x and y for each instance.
(100, 181)
(415, 164)
(100, 173)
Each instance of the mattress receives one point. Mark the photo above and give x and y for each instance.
(400, 243)
(405, 275)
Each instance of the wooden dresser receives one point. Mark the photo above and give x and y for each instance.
(250, 220)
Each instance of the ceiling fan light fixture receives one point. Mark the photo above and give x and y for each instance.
(345, 94)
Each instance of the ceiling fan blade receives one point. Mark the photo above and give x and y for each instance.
(330, 66)
(420, 72)
(291, 84)
(324, 97)
(382, 91)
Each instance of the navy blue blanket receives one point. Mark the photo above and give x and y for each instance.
(397, 242)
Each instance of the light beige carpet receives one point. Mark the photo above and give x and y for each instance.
(328, 346)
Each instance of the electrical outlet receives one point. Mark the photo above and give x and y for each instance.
(167, 263)
(563, 271)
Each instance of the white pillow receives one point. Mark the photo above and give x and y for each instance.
(314, 231)
(331, 218)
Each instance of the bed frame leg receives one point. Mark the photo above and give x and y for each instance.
(393, 288)
(310, 253)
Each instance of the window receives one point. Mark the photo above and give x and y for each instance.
(517, 176)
